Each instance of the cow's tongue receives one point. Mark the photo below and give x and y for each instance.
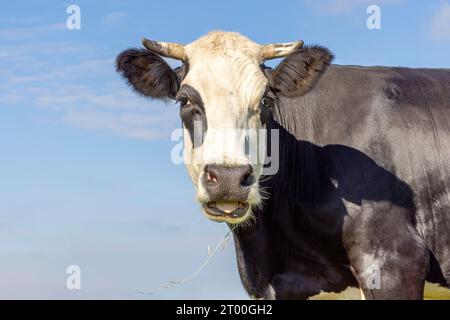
(227, 206)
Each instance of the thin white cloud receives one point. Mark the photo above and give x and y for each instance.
(131, 125)
(439, 27)
(30, 32)
(113, 17)
(21, 19)
(70, 72)
(44, 48)
(337, 7)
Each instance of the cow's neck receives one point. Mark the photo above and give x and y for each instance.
(282, 246)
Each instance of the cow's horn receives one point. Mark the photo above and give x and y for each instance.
(166, 49)
(278, 50)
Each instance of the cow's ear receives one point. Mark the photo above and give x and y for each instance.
(299, 71)
(147, 73)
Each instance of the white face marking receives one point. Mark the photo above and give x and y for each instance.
(225, 70)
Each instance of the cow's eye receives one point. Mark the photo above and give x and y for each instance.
(265, 109)
(266, 102)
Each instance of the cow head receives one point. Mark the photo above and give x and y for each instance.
(224, 91)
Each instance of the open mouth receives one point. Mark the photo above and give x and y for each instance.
(229, 211)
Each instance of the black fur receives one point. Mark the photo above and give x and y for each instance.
(148, 74)
(362, 173)
(192, 111)
(299, 71)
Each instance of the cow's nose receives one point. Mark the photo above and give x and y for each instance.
(228, 182)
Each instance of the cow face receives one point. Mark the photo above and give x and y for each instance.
(222, 91)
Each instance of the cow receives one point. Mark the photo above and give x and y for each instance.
(361, 195)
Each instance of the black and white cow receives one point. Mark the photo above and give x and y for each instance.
(362, 190)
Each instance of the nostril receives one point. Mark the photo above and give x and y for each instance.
(248, 178)
(211, 178)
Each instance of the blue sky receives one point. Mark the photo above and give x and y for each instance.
(85, 170)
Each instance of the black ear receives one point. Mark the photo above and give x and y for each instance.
(147, 73)
(300, 70)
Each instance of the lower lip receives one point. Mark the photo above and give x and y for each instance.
(215, 214)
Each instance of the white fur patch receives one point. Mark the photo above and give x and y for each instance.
(225, 70)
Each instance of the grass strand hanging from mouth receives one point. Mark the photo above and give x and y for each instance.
(222, 244)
